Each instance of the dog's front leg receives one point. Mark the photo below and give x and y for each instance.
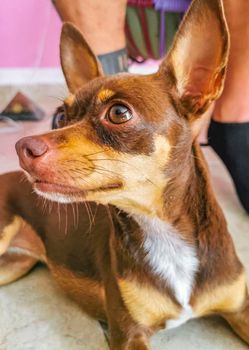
(122, 340)
(125, 333)
(239, 321)
(139, 343)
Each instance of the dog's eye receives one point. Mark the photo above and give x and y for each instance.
(119, 114)
(59, 120)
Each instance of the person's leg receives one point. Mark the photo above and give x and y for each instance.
(233, 105)
(229, 129)
(102, 24)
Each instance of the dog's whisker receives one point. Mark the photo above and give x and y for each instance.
(74, 218)
(66, 219)
(23, 178)
(95, 214)
(50, 207)
(45, 206)
(109, 159)
(106, 173)
(59, 214)
(73, 161)
(77, 213)
(107, 170)
(43, 200)
(61, 99)
(90, 211)
(40, 202)
(89, 215)
(138, 170)
(93, 154)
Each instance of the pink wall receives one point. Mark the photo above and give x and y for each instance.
(29, 34)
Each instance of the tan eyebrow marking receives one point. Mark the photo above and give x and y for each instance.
(69, 100)
(104, 95)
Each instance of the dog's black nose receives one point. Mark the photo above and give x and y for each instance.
(29, 149)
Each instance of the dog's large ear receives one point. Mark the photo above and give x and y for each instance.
(79, 64)
(197, 60)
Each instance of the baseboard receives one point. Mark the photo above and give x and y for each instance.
(30, 76)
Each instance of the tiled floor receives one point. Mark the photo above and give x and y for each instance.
(36, 316)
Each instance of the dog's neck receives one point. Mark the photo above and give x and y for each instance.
(188, 206)
(181, 200)
(169, 245)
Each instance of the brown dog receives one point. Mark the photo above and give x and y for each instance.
(159, 253)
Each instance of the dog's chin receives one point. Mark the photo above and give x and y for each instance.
(67, 194)
(58, 193)
(59, 197)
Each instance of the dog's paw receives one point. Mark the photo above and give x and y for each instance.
(20, 254)
(13, 266)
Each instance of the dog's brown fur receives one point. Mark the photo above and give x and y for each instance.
(149, 169)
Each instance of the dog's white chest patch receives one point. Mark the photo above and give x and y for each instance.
(185, 315)
(172, 259)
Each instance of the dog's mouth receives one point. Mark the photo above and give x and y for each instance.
(49, 187)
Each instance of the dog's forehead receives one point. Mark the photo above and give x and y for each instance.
(147, 94)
